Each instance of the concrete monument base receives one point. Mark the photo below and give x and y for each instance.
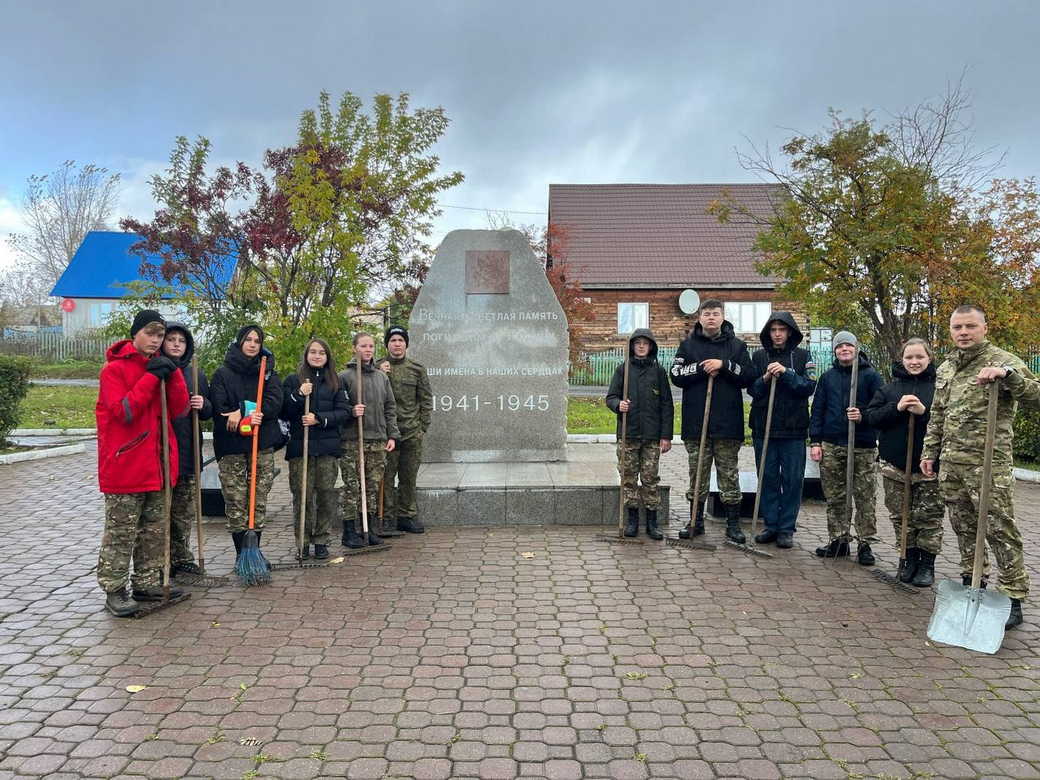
(582, 490)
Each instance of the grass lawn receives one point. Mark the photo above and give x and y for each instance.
(68, 369)
(58, 407)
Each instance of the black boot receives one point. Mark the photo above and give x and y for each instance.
(698, 526)
(236, 537)
(864, 555)
(410, 525)
(351, 538)
(120, 604)
(908, 566)
(838, 548)
(733, 532)
(766, 536)
(651, 526)
(925, 574)
(373, 537)
(321, 552)
(305, 552)
(1015, 618)
(966, 581)
(632, 522)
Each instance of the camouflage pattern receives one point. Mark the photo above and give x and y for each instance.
(402, 467)
(375, 464)
(234, 484)
(924, 529)
(182, 520)
(413, 396)
(957, 426)
(638, 463)
(134, 530)
(322, 499)
(724, 454)
(864, 491)
(960, 489)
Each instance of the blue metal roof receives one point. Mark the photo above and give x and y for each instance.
(103, 263)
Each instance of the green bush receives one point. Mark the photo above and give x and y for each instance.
(14, 384)
(1027, 434)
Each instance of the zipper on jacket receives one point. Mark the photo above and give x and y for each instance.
(131, 444)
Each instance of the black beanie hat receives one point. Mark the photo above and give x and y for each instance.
(244, 330)
(396, 330)
(144, 318)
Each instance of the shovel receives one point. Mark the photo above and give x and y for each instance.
(690, 543)
(970, 616)
(620, 538)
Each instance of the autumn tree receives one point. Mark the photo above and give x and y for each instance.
(327, 224)
(886, 224)
(59, 209)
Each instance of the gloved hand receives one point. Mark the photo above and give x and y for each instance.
(161, 366)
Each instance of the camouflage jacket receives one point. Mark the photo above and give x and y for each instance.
(957, 427)
(413, 395)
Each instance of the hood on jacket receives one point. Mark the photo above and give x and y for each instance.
(121, 350)
(189, 351)
(794, 338)
(642, 333)
(864, 362)
(369, 366)
(725, 332)
(240, 363)
(899, 372)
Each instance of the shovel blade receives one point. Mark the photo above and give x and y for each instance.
(972, 618)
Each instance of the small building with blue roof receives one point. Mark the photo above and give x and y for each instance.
(95, 280)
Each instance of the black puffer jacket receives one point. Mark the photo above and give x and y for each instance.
(727, 397)
(332, 410)
(829, 421)
(233, 384)
(182, 425)
(793, 388)
(892, 424)
(651, 413)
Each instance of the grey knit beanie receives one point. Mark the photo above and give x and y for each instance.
(843, 337)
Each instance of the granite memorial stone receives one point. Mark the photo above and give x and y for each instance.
(493, 337)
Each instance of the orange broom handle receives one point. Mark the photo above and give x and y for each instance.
(256, 442)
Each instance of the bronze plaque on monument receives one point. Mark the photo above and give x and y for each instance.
(487, 272)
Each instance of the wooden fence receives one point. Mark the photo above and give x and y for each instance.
(54, 347)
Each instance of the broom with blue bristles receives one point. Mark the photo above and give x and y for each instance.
(251, 566)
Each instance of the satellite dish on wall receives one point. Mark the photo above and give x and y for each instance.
(689, 301)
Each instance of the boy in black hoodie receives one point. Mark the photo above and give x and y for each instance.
(648, 433)
(179, 346)
(781, 360)
(829, 437)
(713, 350)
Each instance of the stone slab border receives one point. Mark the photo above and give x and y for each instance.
(41, 454)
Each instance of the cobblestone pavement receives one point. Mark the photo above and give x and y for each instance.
(473, 652)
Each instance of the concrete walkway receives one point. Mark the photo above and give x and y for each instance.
(496, 653)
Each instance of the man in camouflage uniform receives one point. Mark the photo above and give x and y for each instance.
(648, 431)
(956, 439)
(414, 400)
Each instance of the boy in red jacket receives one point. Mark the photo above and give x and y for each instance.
(130, 469)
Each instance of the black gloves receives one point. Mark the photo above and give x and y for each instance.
(161, 366)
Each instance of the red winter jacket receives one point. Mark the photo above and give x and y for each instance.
(128, 417)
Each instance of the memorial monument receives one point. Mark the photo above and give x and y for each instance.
(493, 337)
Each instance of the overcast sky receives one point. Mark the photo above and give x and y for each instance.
(537, 92)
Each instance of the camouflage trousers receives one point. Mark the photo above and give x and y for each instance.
(322, 500)
(234, 484)
(960, 490)
(375, 463)
(864, 491)
(402, 467)
(724, 453)
(638, 464)
(134, 530)
(924, 526)
(182, 520)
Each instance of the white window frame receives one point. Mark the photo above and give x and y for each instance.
(749, 316)
(638, 316)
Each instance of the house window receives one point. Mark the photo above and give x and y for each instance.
(748, 317)
(98, 314)
(631, 316)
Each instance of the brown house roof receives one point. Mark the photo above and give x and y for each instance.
(659, 235)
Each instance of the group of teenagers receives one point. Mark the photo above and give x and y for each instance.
(945, 408)
(388, 402)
